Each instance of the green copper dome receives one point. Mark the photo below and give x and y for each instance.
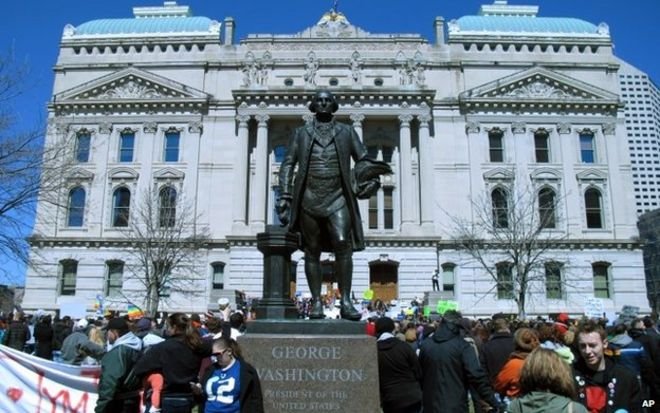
(525, 25)
(145, 26)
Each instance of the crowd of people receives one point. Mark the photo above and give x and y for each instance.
(178, 364)
(455, 364)
(446, 364)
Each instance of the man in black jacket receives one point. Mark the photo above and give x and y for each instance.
(498, 348)
(450, 366)
(603, 386)
(399, 372)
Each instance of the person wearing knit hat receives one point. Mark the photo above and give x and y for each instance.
(399, 371)
(507, 382)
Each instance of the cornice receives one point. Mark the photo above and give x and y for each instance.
(582, 244)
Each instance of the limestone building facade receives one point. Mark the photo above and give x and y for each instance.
(173, 102)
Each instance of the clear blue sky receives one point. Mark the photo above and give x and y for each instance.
(33, 28)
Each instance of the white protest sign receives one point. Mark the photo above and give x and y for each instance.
(593, 307)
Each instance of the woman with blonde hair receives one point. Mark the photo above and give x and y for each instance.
(546, 385)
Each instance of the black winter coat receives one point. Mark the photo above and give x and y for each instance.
(495, 353)
(177, 362)
(621, 386)
(43, 336)
(16, 335)
(450, 366)
(399, 374)
(250, 395)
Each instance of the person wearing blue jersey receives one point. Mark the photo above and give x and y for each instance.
(230, 384)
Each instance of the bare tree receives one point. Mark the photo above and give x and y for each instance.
(512, 237)
(29, 168)
(165, 246)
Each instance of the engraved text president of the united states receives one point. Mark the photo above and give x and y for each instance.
(320, 201)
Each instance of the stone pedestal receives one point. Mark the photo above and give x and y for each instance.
(277, 244)
(315, 373)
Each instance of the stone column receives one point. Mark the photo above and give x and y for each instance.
(258, 192)
(426, 171)
(363, 204)
(239, 211)
(405, 169)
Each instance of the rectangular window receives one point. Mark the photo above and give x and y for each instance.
(496, 146)
(389, 208)
(448, 278)
(82, 147)
(172, 146)
(542, 147)
(601, 280)
(126, 145)
(69, 273)
(218, 275)
(504, 281)
(373, 212)
(587, 150)
(553, 281)
(115, 280)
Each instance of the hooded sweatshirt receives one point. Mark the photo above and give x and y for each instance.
(544, 402)
(115, 367)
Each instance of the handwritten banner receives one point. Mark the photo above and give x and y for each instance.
(33, 385)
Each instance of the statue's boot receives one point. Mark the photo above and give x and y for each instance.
(317, 309)
(344, 270)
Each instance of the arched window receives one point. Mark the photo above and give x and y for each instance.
(601, 273)
(115, 279)
(547, 208)
(167, 207)
(68, 275)
(593, 205)
(500, 208)
(76, 207)
(121, 206)
(218, 269)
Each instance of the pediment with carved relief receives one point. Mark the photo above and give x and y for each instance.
(130, 84)
(591, 175)
(541, 89)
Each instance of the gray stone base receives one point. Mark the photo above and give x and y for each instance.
(315, 373)
(313, 327)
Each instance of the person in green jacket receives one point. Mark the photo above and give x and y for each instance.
(117, 392)
(546, 385)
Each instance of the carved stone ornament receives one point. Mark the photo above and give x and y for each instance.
(564, 128)
(105, 127)
(243, 120)
(518, 127)
(195, 127)
(539, 89)
(609, 128)
(150, 127)
(405, 119)
(424, 119)
(472, 127)
(308, 117)
(357, 118)
(57, 127)
(131, 90)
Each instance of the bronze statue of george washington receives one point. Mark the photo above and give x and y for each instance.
(319, 200)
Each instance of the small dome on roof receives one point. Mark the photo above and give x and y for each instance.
(145, 25)
(524, 25)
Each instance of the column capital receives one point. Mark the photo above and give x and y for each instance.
(195, 127)
(150, 127)
(405, 119)
(308, 117)
(262, 119)
(424, 120)
(357, 118)
(242, 120)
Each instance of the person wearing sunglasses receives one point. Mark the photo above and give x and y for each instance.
(230, 384)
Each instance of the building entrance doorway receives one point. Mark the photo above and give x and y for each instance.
(383, 280)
